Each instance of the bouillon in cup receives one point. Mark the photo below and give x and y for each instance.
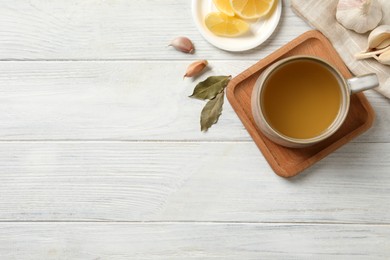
(301, 100)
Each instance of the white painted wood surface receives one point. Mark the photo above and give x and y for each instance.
(101, 156)
(188, 181)
(82, 241)
(120, 100)
(114, 29)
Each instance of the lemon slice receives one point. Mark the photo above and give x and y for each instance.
(252, 9)
(223, 25)
(224, 6)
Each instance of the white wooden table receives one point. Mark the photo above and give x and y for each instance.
(101, 156)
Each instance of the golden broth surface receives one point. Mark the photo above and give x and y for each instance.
(301, 99)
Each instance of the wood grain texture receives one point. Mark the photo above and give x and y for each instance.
(141, 157)
(115, 29)
(288, 162)
(119, 100)
(138, 181)
(80, 241)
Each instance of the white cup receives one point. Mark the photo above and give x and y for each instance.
(347, 87)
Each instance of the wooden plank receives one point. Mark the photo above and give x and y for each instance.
(223, 181)
(192, 241)
(121, 101)
(115, 29)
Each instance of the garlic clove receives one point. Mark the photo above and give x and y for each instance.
(371, 54)
(183, 44)
(384, 58)
(378, 45)
(195, 68)
(379, 38)
(359, 15)
(383, 44)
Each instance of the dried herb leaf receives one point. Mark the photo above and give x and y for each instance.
(211, 112)
(209, 88)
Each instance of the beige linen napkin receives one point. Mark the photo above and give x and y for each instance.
(321, 14)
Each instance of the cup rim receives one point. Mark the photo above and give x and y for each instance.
(344, 107)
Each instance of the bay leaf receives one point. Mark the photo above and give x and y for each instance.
(211, 111)
(209, 88)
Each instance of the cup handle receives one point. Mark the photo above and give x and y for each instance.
(362, 83)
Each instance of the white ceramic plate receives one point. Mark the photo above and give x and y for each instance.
(260, 30)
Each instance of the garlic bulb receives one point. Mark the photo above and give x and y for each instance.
(359, 15)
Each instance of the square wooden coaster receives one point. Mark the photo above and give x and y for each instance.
(288, 162)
